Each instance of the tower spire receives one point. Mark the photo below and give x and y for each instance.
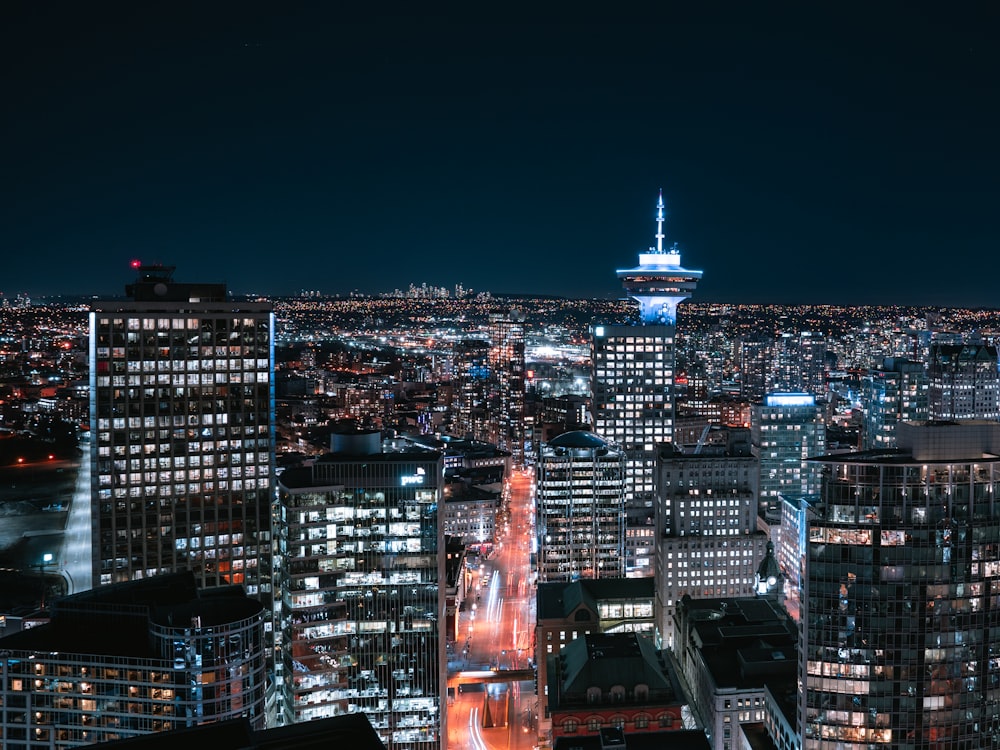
(659, 223)
(659, 282)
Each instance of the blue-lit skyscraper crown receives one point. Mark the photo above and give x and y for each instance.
(659, 283)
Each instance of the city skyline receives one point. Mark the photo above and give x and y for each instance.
(805, 154)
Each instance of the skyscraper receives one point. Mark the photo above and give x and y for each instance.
(893, 393)
(798, 363)
(182, 408)
(364, 594)
(633, 372)
(787, 429)
(755, 353)
(964, 381)
(902, 567)
(506, 402)
(472, 380)
(580, 500)
(708, 543)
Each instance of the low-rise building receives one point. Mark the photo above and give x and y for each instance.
(730, 650)
(130, 659)
(612, 680)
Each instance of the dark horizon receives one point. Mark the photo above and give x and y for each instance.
(806, 154)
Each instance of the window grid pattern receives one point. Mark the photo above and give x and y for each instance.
(362, 608)
(902, 593)
(581, 518)
(182, 410)
(64, 700)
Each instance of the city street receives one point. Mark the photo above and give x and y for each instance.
(495, 704)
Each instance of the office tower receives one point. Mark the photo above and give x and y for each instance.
(182, 448)
(132, 658)
(182, 408)
(580, 500)
(899, 640)
(364, 588)
(506, 400)
(696, 393)
(896, 392)
(787, 429)
(708, 544)
(472, 379)
(633, 376)
(964, 382)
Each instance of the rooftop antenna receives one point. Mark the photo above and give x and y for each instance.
(659, 223)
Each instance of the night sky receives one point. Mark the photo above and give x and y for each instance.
(842, 153)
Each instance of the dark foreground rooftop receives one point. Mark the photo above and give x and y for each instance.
(349, 731)
(682, 739)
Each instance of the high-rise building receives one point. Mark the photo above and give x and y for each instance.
(798, 364)
(133, 658)
(793, 535)
(182, 448)
(364, 588)
(633, 376)
(787, 429)
(899, 641)
(896, 392)
(182, 414)
(506, 401)
(580, 498)
(964, 381)
(471, 397)
(755, 353)
(708, 543)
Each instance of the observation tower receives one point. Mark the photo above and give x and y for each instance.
(659, 283)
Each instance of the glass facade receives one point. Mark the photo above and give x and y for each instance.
(900, 641)
(360, 537)
(472, 378)
(788, 429)
(896, 393)
(506, 403)
(581, 503)
(204, 672)
(964, 381)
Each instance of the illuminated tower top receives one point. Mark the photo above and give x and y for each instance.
(659, 283)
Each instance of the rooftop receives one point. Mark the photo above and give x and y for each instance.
(556, 600)
(354, 731)
(114, 620)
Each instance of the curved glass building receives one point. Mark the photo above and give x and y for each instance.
(900, 639)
